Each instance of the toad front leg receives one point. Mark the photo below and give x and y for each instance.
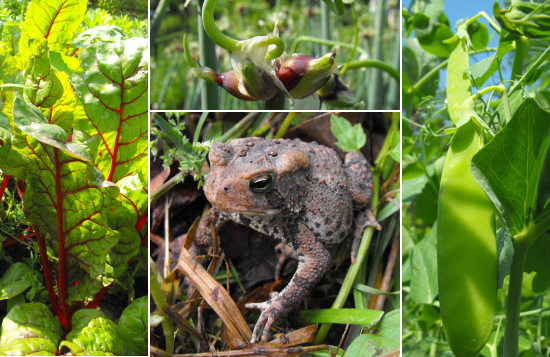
(314, 261)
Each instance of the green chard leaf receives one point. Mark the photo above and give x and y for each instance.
(54, 20)
(61, 113)
(11, 161)
(111, 117)
(133, 328)
(81, 319)
(30, 328)
(11, 33)
(65, 194)
(46, 87)
(98, 337)
(14, 281)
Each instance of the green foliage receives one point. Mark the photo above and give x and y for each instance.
(511, 168)
(349, 138)
(191, 157)
(74, 136)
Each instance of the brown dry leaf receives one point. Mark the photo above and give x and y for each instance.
(218, 298)
(158, 180)
(258, 349)
(298, 337)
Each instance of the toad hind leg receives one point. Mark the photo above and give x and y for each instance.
(314, 261)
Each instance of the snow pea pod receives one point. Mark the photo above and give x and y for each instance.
(466, 249)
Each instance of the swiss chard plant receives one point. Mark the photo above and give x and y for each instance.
(73, 136)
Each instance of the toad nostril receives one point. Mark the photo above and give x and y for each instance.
(226, 188)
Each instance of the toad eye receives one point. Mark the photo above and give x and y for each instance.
(260, 183)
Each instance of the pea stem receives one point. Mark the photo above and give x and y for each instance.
(511, 330)
(376, 64)
(519, 55)
(531, 69)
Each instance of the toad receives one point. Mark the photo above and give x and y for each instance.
(299, 193)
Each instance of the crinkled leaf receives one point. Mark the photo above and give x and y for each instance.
(508, 168)
(81, 319)
(32, 320)
(64, 63)
(43, 87)
(32, 122)
(349, 138)
(29, 347)
(99, 335)
(11, 33)
(81, 205)
(113, 104)
(133, 328)
(112, 115)
(14, 281)
(98, 33)
(61, 113)
(87, 285)
(54, 20)
(11, 161)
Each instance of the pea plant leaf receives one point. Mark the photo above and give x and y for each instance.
(484, 69)
(424, 283)
(431, 34)
(30, 328)
(416, 64)
(349, 138)
(509, 167)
